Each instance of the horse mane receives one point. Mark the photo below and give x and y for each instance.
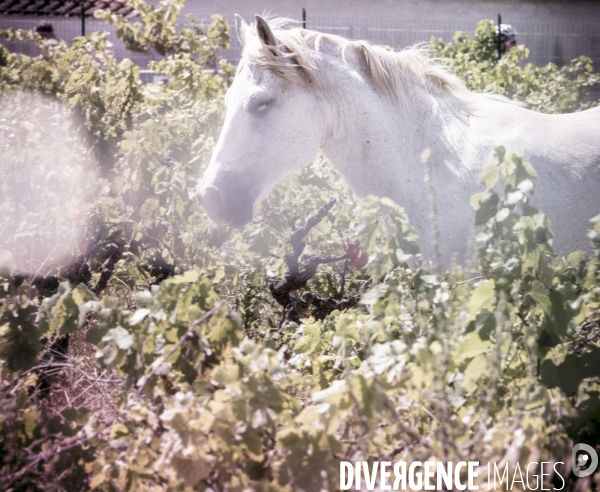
(390, 72)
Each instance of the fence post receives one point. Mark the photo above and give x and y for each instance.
(499, 37)
(304, 18)
(83, 17)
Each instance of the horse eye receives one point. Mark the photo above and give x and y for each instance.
(258, 106)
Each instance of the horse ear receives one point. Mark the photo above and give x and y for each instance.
(241, 27)
(264, 32)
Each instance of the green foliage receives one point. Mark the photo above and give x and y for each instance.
(85, 76)
(107, 95)
(429, 367)
(157, 30)
(548, 89)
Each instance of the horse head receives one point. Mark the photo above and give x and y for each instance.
(272, 127)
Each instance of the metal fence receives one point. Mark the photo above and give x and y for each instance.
(548, 42)
(558, 43)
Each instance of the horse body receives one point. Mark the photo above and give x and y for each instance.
(380, 155)
(373, 113)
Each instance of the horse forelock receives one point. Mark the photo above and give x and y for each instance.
(292, 59)
(295, 59)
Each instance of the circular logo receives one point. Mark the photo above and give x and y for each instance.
(585, 460)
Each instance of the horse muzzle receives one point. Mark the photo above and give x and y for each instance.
(226, 204)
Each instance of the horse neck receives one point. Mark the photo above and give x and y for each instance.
(377, 145)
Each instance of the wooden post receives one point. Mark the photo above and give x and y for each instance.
(304, 18)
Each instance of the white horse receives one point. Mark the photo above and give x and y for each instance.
(373, 112)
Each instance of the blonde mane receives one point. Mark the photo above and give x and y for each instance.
(392, 73)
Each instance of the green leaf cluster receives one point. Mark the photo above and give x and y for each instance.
(548, 89)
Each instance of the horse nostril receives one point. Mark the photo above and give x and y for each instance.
(212, 201)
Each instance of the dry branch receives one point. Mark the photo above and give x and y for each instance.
(108, 267)
(294, 307)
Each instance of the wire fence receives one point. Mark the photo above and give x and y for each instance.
(558, 43)
(67, 29)
(548, 42)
